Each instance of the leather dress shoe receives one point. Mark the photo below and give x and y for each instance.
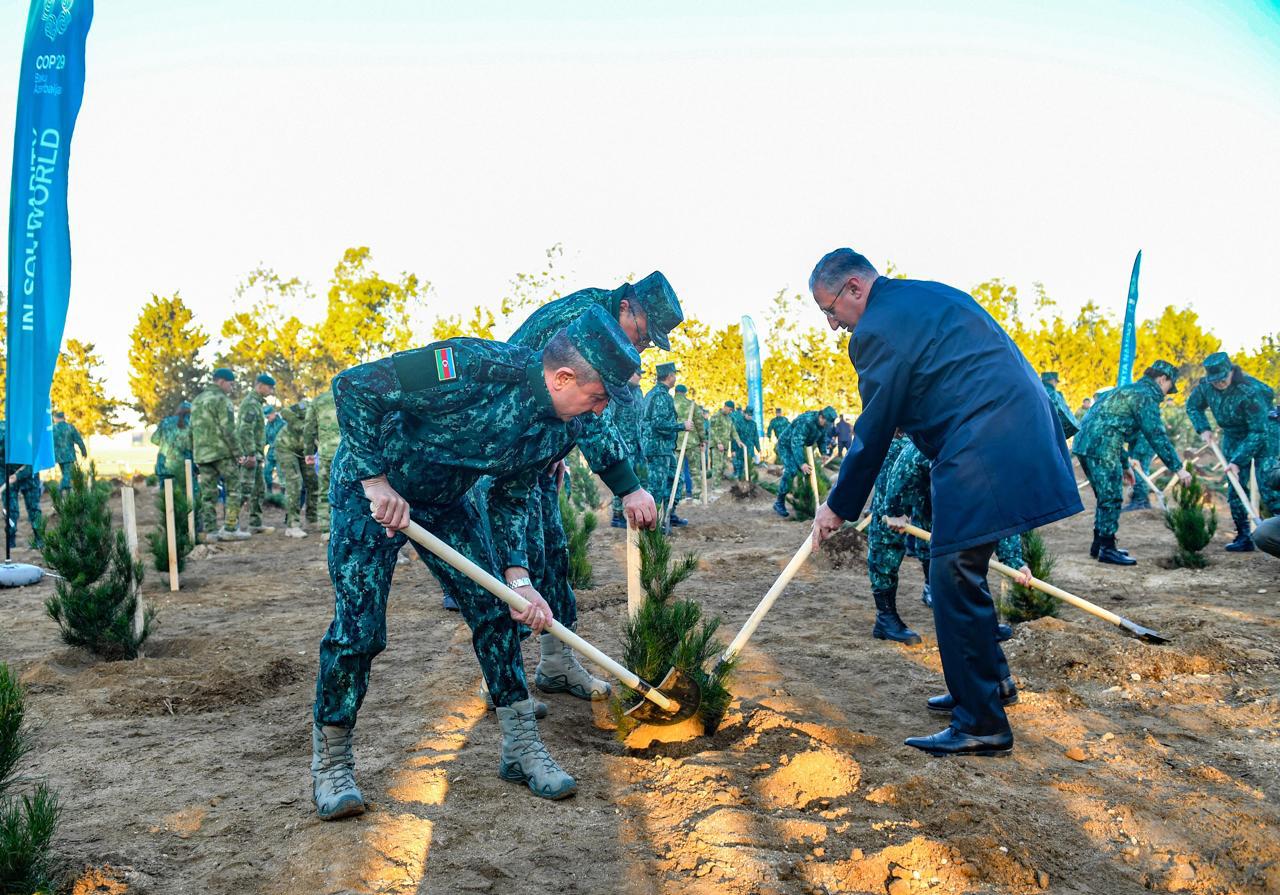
(953, 742)
(678, 522)
(946, 702)
(1003, 632)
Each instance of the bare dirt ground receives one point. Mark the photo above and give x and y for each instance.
(1136, 768)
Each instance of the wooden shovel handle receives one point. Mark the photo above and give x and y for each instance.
(684, 443)
(499, 589)
(1137, 468)
(766, 603)
(1235, 483)
(813, 476)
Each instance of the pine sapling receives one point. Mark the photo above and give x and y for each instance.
(1193, 520)
(578, 528)
(1024, 604)
(583, 488)
(801, 494)
(158, 538)
(27, 819)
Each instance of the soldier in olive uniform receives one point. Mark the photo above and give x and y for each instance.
(251, 431)
(1059, 404)
(1241, 406)
(724, 441)
(322, 436)
(690, 473)
(290, 456)
(419, 429)
(216, 451)
(805, 431)
(659, 430)
(1117, 419)
(66, 440)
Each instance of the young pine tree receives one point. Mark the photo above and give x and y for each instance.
(27, 820)
(801, 494)
(667, 633)
(583, 488)
(158, 538)
(1193, 521)
(577, 528)
(95, 601)
(1024, 604)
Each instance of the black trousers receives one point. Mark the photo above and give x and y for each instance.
(965, 618)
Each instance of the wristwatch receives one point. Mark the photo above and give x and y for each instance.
(526, 581)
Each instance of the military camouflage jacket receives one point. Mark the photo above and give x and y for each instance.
(66, 438)
(682, 403)
(1241, 410)
(321, 432)
(1059, 404)
(1118, 418)
(721, 429)
(213, 432)
(292, 437)
(436, 419)
(906, 492)
(251, 425)
(604, 449)
(777, 427)
(659, 427)
(625, 420)
(803, 432)
(747, 432)
(174, 442)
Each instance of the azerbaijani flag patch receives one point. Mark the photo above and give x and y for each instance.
(445, 368)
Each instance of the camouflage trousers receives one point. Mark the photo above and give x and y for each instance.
(1144, 458)
(30, 490)
(66, 468)
(548, 552)
(719, 462)
(362, 560)
(692, 470)
(298, 475)
(322, 491)
(208, 473)
(789, 474)
(886, 549)
(249, 490)
(1268, 494)
(739, 460)
(661, 471)
(1107, 480)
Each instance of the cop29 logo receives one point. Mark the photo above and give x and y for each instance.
(56, 15)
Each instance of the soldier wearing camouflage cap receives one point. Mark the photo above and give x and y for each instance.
(724, 441)
(218, 456)
(173, 439)
(659, 429)
(419, 429)
(805, 430)
(1116, 420)
(1241, 406)
(251, 430)
(1070, 426)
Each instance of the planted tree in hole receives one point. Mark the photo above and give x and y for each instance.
(28, 813)
(582, 487)
(1024, 604)
(667, 632)
(95, 601)
(1193, 520)
(578, 527)
(158, 538)
(801, 495)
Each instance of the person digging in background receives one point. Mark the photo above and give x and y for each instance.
(806, 430)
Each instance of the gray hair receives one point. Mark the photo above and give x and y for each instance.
(836, 267)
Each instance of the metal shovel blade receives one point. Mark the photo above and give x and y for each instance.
(680, 689)
(1146, 635)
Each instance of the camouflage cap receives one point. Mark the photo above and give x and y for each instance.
(1217, 366)
(1049, 376)
(661, 308)
(59, 415)
(682, 388)
(603, 344)
(1164, 368)
(729, 404)
(267, 410)
(267, 379)
(665, 370)
(185, 405)
(224, 373)
(830, 413)
(747, 411)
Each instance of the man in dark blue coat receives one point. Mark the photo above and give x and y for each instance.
(932, 362)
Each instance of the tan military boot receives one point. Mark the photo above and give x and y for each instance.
(333, 773)
(561, 672)
(525, 759)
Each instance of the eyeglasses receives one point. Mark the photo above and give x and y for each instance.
(829, 310)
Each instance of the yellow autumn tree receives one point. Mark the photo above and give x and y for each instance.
(80, 391)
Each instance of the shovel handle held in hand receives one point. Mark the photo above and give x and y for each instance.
(1235, 483)
(499, 589)
(766, 603)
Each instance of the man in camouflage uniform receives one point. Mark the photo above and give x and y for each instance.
(173, 440)
(1140, 495)
(290, 456)
(322, 436)
(66, 439)
(624, 418)
(723, 440)
(274, 425)
(251, 432)
(419, 429)
(1118, 419)
(777, 426)
(691, 472)
(20, 479)
(216, 451)
(658, 435)
(744, 426)
(1241, 406)
(805, 431)
(1059, 404)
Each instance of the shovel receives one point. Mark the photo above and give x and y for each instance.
(654, 708)
(1146, 635)
(765, 604)
(1137, 468)
(1254, 521)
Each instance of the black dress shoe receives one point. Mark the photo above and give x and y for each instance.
(946, 702)
(1242, 544)
(781, 509)
(953, 742)
(678, 522)
(1115, 557)
(1003, 632)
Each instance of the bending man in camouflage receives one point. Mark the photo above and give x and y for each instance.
(419, 429)
(805, 431)
(1240, 404)
(1117, 419)
(216, 450)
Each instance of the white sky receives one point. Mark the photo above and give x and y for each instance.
(730, 148)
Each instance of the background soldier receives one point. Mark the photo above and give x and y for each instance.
(690, 473)
(624, 418)
(659, 433)
(777, 425)
(1240, 405)
(744, 426)
(274, 425)
(290, 452)
(251, 431)
(723, 441)
(1115, 421)
(805, 431)
(322, 436)
(1070, 426)
(217, 455)
(173, 440)
(66, 439)
(19, 479)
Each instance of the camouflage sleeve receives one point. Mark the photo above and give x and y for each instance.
(311, 431)
(509, 507)
(1009, 551)
(1196, 407)
(1255, 408)
(908, 483)
(660, 416)
(155, 436)
(363, 396)
(1157, 437)
(791, 446)
(228, 428)
(244, 427)
(78, 441)
(607, 455)
(1070, 426)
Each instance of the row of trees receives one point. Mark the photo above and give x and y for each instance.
(279, 325)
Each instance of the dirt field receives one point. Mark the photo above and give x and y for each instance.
(1136, 768)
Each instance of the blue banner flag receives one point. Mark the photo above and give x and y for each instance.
(50, 87)
(755, 391)
(1129, 340)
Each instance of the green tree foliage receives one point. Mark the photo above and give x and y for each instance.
(28, 819)
(801, 494)
(667, 632)
(164, 357)
(158, 538)
(583, 487)
(1193, 520)
(1024, 604)
(1264, 362)
(95, 601)
(79, 390)
(578, 527)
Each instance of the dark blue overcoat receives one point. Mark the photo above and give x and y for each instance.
(933, 363)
